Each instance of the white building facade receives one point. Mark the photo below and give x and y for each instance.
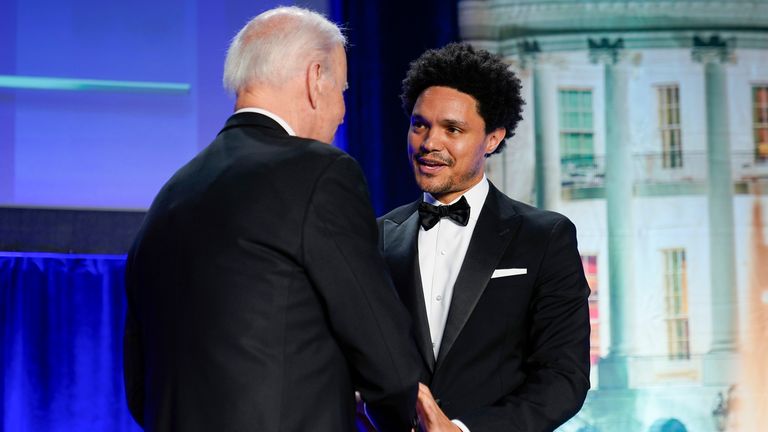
(647, 124)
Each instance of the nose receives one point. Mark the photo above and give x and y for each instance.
(430, 142)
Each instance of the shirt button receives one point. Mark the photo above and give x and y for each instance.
(438, 298)
(442, 252)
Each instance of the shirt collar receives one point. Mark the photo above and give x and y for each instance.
(271, 115)
(475, 197)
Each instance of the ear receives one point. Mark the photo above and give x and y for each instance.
(313, 84)
(493, 139)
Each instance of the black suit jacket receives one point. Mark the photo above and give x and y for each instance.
(257, 297)
(515, 350)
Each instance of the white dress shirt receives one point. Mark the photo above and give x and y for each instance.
(271, 115)
(441, 253)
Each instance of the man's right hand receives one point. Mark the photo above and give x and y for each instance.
(431, 417)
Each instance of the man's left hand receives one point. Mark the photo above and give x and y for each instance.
(431, 417)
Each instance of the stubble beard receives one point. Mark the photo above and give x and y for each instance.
(436, 186)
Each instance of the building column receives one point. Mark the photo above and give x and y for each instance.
(548, 171)
(613, 370)
(719, 361)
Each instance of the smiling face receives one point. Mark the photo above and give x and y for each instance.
(447, 142)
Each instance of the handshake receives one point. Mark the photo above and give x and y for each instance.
(429, 415)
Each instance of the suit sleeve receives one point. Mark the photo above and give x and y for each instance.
(557, 367)
(342, 258)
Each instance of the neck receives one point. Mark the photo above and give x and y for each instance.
(280, 101)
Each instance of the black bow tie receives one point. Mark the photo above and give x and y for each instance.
(430, 215)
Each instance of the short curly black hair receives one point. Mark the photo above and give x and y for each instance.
(476, 72)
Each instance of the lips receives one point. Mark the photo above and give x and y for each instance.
(430, 162)
(430, 165)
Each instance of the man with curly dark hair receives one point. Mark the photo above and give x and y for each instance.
(495, 287)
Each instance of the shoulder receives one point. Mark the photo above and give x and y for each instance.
(322, 153)
(263, 151)
(335, 164)
(320, 149)
(261, 137)
(399, 214)
(532, 218)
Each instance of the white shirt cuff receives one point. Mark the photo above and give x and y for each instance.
(461, 425)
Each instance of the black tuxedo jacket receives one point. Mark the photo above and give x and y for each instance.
(515, 350)
(258, 299)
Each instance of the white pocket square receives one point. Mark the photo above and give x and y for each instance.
(508, 272)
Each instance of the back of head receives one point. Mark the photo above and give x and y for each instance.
(274, 46)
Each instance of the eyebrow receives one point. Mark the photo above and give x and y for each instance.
(454, 123)
(443, 122)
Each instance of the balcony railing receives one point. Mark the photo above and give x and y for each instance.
(650, 168)
(656, 168)
(582, 171)
(749, 166)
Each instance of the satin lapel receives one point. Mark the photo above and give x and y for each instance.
(494, 230)
(401, 250)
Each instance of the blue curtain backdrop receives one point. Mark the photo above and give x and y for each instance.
(61, 342)
(385, 36)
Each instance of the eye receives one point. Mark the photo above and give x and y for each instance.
(453, 130)
(417, 124)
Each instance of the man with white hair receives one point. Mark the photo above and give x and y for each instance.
(257, 297)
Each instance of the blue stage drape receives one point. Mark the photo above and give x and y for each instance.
(61, 343)
(384, 37)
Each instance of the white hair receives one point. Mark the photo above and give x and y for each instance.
(276, 44)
